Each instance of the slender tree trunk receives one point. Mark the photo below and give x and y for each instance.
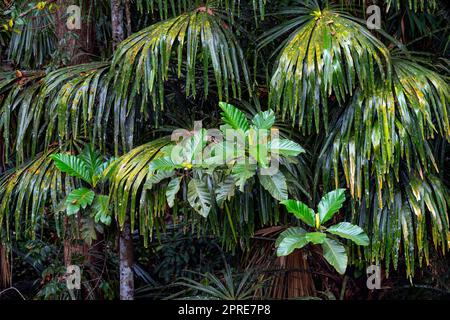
(128, 17)
(126, 256)
(76, 45)
(5, 268)
(117, 22)
(126, 262)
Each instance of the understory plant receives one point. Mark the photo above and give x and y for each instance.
(333, 250)
(87, 168)
(209, 165)
(230, 285)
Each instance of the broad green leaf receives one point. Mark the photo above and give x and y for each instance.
(350, 231)
(81, 197)
(72, 209)
(316, 237)
(285, 147)
(264, 120)
(98, 174)
(233, 117)
(289, 232)
(300, 210)
(199, 197)
(157, 177)
(335, 254)
(225, 190)
(241, 173)
(172, 189)
(330, 204)
(88, 230)
(290, 243)
(275, 185)
(163, 164)
(92, 159)
(260, 154)
(72, 165)
(190, 149)
(101, 209)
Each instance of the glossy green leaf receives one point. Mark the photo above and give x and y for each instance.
(335, 254)
(275, 184)
(264, 120)
(79, 198)
(172, 189)
(301, 211)
(289, 243)
(315, 237)
(199, 197)
(330, 204)
(233, 117)
(102, 212)
(285, 147)
(349, 231)
(73, 166)
(289, 232)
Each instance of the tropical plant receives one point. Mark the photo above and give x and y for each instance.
(229, 286)
(88, 168)
(333, 251)
(239, 151)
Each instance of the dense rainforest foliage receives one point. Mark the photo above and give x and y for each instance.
(348, 98)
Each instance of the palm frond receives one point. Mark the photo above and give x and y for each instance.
(415, 5)
(167, 8)
(143, 61)
(128, 175)
(408, 227)
(396, 5)
(381, 144)
(34, 42)
(27, 194)
(18, 94)
(329, 53)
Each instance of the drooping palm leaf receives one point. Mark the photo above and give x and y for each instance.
(34, 41)
(76, 102)
(18, 96)
(128, 175)
(68, 103)
(415, 5)
(388, 128)
(395, 5)
(26, 193)
(328, 53)
(198, 38)
(381, 145)
(170, 8)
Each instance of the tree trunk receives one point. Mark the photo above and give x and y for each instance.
(126, 255)
(128, 17)
(75, 45)
(5, 267)
(117, 22)
(126, 262)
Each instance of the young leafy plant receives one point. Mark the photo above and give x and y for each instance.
(88, 167)
(217, 162)
(333, 250)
